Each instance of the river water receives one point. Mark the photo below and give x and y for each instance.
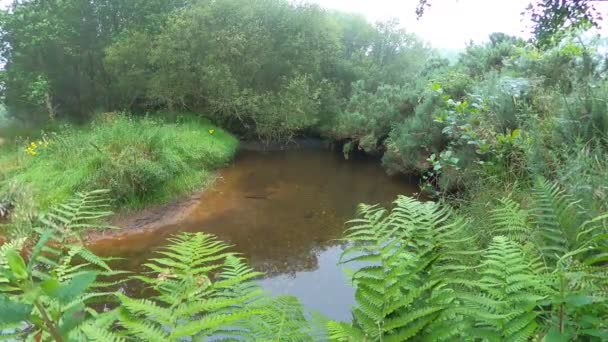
(284, 210)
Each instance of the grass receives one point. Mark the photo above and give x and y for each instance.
(141, 161)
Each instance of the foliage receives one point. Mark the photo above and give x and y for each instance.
(480, 59)
(523, 122)
(400, 291)
(54, 52)
(45, 295)
(138, 160)
(368, 116)
(269, 69)
(553, 18)
(416, 276)
(202, 290)
(189, 303)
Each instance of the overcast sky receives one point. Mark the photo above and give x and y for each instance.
(447, 23)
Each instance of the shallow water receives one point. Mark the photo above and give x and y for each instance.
(284, 211)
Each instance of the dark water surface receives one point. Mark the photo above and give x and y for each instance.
(283, 210)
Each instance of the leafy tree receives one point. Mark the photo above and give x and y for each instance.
(62, 44)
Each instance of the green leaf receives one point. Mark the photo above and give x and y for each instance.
(601, 334)
(70, 290)
(13, 312)
(72, 318)
(579, 300)
(44, 238)
(16, 264)
(555, 336)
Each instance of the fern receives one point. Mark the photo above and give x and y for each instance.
(579, 286)
(400, 292)
(510, 220)
(503, 304)
(204, 291)
(416, 277)
(84, 211)
(592, 238)
(54, 280)
(282, 320)
(555, 217)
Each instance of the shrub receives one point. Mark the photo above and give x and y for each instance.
(368, 116)
(413, 140)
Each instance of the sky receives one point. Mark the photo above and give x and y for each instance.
(446, 24)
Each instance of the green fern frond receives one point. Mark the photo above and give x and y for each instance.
(90, 331)
(236, 275)
(508, 294)
(554, 214)
(203, 291)
(345, 332)
(280, 319)
(83, 211)
(143, 329)
(510, 220)
(592, 241)
(210, 324)
(147, 308)
(400, 289)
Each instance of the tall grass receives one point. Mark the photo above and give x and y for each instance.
(140, 161)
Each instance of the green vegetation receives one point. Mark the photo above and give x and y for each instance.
(421, 272)
(265, 69)
(511, 140)
(138, 160)
(529, 273)
(202, 289)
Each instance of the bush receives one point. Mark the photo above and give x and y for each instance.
(413, 140)
(368, 116)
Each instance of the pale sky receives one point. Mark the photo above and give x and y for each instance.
(447, 23)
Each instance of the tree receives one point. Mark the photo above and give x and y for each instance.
(53, 52)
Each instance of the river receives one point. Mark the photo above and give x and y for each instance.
(284, 210)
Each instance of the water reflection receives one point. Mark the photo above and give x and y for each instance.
(325, 288)
(284, 211)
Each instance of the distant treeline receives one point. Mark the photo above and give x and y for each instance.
(265, 67)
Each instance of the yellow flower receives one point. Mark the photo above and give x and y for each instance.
(211, 131)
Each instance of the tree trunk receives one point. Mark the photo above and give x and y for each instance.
(49, 105)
